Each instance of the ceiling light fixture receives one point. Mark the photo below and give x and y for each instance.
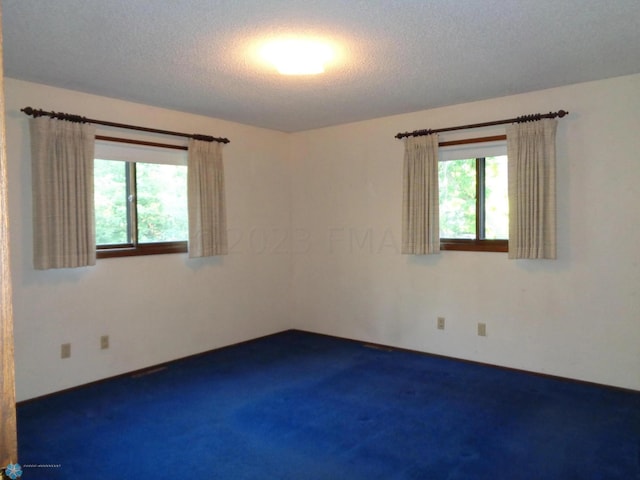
(297, 56)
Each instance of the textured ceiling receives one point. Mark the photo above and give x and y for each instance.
(395, 56)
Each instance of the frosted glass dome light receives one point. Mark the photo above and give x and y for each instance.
(297, 56)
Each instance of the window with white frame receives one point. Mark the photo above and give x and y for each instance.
(473, 197)
(140, 199)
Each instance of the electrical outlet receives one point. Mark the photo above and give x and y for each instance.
(65, 350)
(482, 329)
(440, 323)
(104, 342)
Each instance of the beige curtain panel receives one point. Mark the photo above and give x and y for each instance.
(420, 216)
(532, 189)
(206, 197)
(62, 188)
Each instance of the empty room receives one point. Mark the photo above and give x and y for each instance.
(324, 240)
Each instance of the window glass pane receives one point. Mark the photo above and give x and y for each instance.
(496, 198)
(457, 185)
(110, 199)
(162, 202)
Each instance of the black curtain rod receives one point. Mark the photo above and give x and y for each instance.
(522, 119)
(79, 119)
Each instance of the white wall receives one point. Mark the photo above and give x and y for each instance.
(314, 221)
(154, 308)
(578, 316)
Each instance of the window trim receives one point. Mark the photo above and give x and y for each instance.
(477, 244)
(469, 245)
(132, 249)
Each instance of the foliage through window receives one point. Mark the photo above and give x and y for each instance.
(474, 203)
(140, 207)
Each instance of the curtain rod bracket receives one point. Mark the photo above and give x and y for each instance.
(204, 138)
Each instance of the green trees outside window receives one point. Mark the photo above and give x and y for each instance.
(474, 203)
(139, 203)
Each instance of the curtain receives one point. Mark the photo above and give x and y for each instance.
(420, 217)
(62, 189)
(207, 206)
(532, 189)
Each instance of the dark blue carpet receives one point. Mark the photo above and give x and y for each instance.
(300, 406)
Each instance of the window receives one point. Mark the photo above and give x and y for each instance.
(474, 202)
(140, 200)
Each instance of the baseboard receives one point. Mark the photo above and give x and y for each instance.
(382, 346)
(146, 370)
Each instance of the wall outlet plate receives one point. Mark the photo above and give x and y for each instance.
(104, 342)
(482, 329)
(440, 323)
(65, 350)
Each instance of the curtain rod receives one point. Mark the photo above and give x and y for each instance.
(522, 119)
(79, 119)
